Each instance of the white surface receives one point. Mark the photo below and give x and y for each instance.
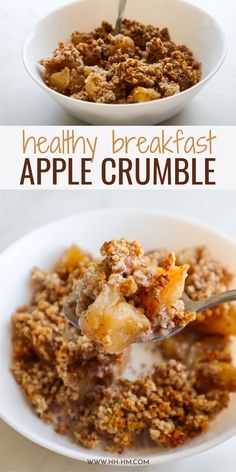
(21, 212)
(43, 247)
(188, 25)
(22, 102)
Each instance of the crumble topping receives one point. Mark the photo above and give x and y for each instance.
(73, 384)
(165, 404)
(141, 64)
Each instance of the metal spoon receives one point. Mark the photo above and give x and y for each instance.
(198, 307)
(120, 17)
(190, 305)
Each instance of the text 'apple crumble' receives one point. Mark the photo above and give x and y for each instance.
(73, 383)
(140, 64)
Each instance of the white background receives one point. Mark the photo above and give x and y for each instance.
(22, 102)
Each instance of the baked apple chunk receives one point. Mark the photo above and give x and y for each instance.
(122, 298)
(113, 322)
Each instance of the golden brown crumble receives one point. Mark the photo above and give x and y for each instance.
(121, 298)
(167, 404)
(140, 64)
(72, 383)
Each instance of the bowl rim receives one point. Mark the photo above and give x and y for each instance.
(202, 82)
(84, 455)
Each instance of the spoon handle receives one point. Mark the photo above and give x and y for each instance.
(217, 299)
(120, 17)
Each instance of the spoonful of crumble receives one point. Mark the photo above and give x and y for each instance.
(128, 296)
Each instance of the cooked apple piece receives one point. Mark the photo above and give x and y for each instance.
(60, 80)
(142, 94)
(122, 43)
(224, 324)
(166, 290)
(173, 291)
(112, 321)
(220, 375)
(227, 375)
(71, 258)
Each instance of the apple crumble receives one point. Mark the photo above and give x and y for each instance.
(140, 64)
(78, 387)
(122, 299)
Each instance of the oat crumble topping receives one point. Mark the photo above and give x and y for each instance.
(72, 383)
(141, 64)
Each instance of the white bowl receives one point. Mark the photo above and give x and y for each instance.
(187, 24)
(42, 248)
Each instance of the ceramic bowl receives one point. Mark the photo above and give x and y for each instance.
(187, 23)
(42, 248)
